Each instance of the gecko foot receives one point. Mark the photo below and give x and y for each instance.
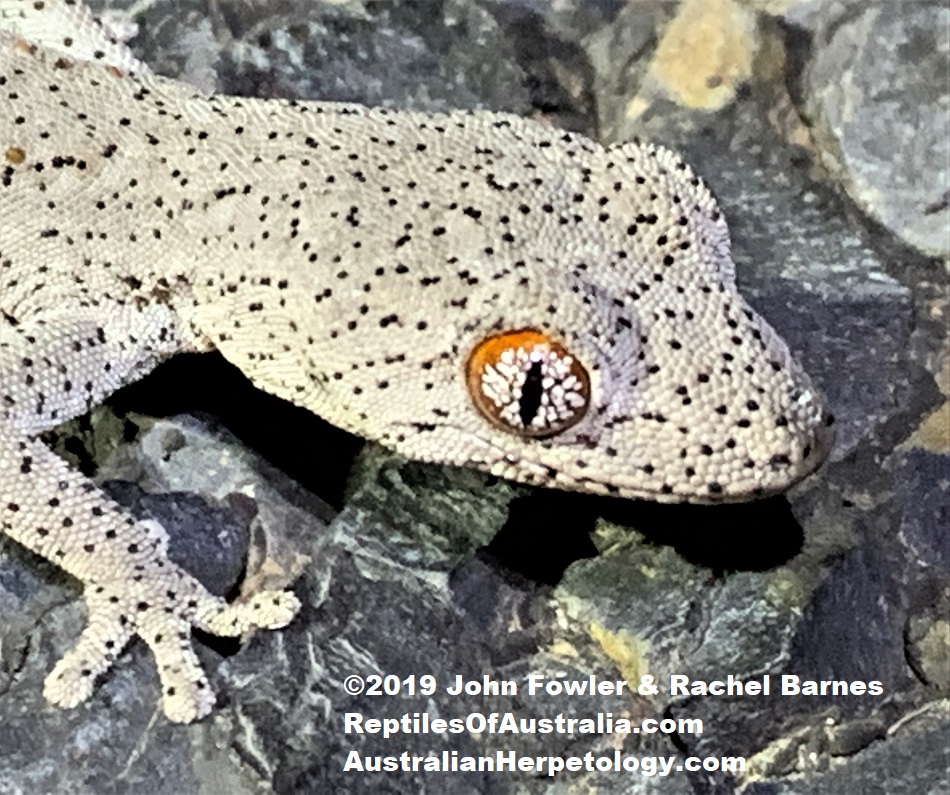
(161, 608)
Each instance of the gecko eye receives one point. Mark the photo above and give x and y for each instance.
(526, 383)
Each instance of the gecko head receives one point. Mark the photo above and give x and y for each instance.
(571, 321)
(633, 367)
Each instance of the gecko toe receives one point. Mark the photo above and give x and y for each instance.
(72, 679)
(266, 610)
(68, 684)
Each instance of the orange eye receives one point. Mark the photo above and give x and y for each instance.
(526, 383)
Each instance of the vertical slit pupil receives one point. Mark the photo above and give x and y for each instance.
(531, 393)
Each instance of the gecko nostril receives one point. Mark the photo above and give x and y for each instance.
(829, 419)
(806, 452)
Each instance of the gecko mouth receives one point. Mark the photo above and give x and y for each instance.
(533, 464)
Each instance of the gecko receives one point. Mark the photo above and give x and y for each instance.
(466, 288)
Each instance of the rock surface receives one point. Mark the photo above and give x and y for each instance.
(878, 96)
(407, 569)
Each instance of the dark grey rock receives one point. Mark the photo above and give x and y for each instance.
(433, 54)
(925, 490)
(878, 93)
(214, 535)
(913, 758)
(811, 14)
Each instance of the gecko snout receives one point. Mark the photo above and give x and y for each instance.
(810, 439)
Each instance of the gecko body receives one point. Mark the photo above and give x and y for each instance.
(470, 289)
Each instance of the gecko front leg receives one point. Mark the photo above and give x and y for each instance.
(52, 368)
